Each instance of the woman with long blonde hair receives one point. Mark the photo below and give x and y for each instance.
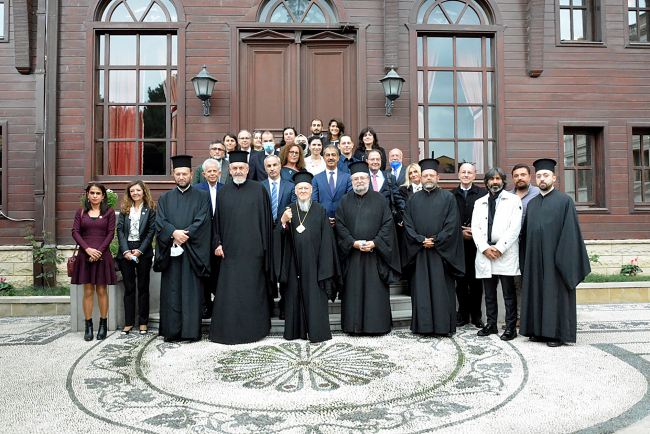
(135, 231)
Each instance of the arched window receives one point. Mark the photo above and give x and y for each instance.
(456, 82)
(297, 11)
(136, 88)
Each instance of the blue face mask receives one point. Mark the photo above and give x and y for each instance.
(395, 164)
(268, 147)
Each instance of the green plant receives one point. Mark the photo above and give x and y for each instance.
(631, 269)
(6, 288)
(37, 290)
(47, 257)
(602, 278)
(111, 198)
(115, 245)
(594, 258)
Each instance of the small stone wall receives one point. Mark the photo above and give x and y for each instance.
(16, 265)
(615, 253)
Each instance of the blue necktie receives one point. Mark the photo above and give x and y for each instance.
(332, 186)
(274, 200)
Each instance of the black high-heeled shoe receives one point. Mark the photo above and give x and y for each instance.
(88, 334)
(101, 333)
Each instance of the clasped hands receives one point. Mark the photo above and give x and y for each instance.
(94, 254)
(364, 246)
(492, 253)
(428, 243)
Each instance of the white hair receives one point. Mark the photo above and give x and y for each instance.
(272, 156)
(210, 162)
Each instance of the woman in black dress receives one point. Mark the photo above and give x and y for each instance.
(368, 142)
(135, 230)
(93, 230)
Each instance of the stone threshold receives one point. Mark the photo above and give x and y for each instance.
(38, 305)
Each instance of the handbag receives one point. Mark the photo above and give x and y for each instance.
(71, 261)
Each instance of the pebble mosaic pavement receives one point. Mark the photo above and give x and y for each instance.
(52, 381)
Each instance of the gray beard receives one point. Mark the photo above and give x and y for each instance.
(304, 206)
(361, 190)
(238, 181)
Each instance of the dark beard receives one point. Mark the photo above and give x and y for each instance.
(522, 188)
(181, 186)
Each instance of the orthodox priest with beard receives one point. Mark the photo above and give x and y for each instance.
(182, 254)
(304, 241)
(243, 237)
(553, 260)
(369, 256)
(434, 248)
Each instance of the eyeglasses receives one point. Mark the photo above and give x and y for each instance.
(294, 153)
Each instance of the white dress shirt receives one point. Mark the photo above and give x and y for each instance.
(213, 196)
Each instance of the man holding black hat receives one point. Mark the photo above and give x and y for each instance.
(306, 247)
(243, 238)
(434, 249)
(553, 260)
(369, 255)
(182, 253)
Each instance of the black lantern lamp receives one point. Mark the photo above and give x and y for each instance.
(203, 86)
(392, 88)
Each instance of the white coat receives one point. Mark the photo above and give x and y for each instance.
(505, 232)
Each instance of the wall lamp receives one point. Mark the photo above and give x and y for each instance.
(392, 88)
(203, 86)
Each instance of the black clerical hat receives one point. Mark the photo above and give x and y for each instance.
(358, 166)
(238, 157)
(545, 164)
(428, 164)
(299, 177)
(181, 161)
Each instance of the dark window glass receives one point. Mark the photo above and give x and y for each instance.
(641, 165)
(638, 19)
(578, 20)
(579, 166)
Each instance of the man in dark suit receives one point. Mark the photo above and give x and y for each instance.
(469, 290)
(385, 183)
(257, 171)
(397, 169)
(212, 173)
(330, 185)
(282, 195)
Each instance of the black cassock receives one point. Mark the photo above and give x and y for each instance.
(365, 297)
(181, 286)
(433, 214)
(318, 268)
(243, 226)
(553, 260)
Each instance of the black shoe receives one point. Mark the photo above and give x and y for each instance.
(463, 321)
(88, 333)
(553, 343)
(101, 333)
(509, 334)
(537, 339)
(206, 313)
(488, 330)
(166, 339)
(478, 323)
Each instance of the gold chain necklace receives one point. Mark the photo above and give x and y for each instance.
(301, 228)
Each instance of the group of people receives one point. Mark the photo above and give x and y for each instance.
(228, 243)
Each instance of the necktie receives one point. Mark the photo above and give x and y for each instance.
(332, 186)
(465, 194)
(274, 200)
(374, 182)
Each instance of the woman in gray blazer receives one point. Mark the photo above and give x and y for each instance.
(135, 232)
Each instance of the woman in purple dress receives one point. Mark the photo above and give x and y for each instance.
(93, 230)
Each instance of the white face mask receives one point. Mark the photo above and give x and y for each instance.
(176, 250)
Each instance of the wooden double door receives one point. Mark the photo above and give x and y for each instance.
(287, 78)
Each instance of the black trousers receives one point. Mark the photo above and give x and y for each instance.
(509, 299)
(129, 272)
(469, 290)
(210, 283)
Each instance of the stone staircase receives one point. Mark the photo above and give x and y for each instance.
(400, 303)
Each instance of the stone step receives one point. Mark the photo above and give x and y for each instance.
(400, 311)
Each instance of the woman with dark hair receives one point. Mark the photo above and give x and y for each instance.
(93, 229)
(292, 160)
(315, 163)
(335, 129)
(231, 143)
(288, 137)
(135, 230)
(257, 141)
(368, 142)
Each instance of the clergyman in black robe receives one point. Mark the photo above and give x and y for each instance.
(243, 238)
(369, 255)
(434, 249)
(182, 221)
(304, 242)
(553, 260)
